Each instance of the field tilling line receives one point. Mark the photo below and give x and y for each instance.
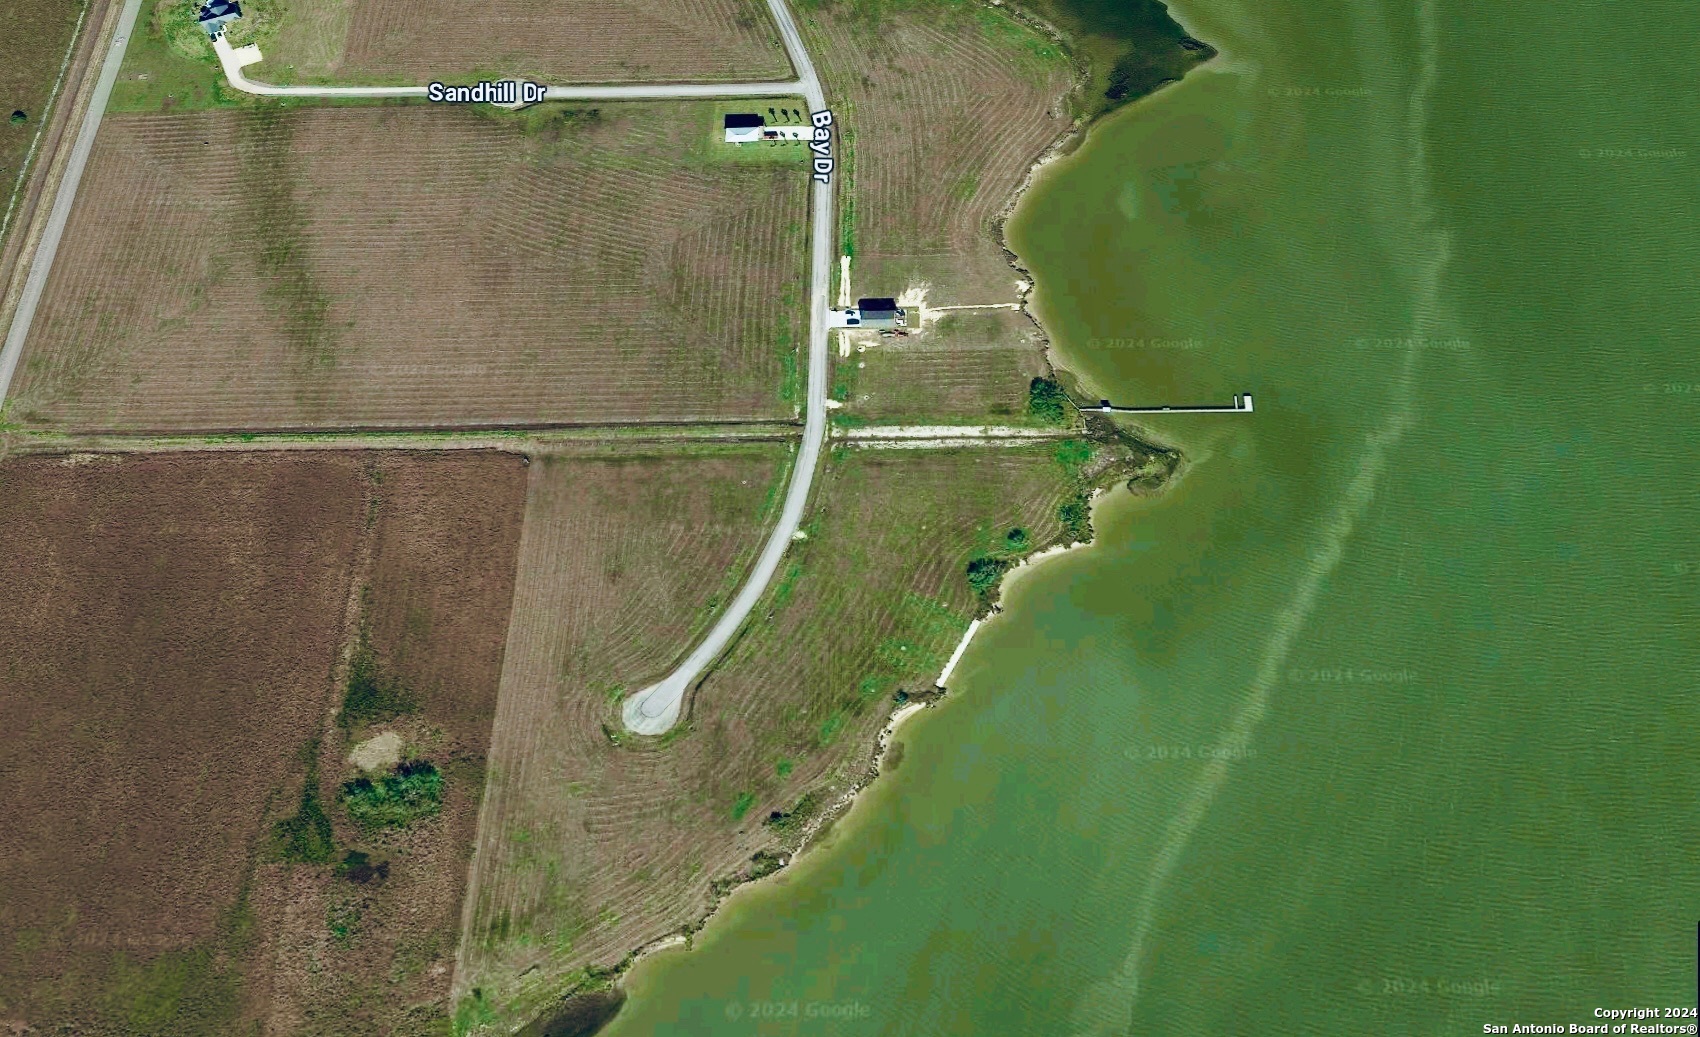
(599, 438)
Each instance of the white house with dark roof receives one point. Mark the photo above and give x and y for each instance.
(743, 127)
(749, 128)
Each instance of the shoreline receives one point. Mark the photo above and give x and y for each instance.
(843, 806)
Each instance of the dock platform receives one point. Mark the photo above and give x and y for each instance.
(1241, 405)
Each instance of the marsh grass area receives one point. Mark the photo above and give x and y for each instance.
(1130, 47)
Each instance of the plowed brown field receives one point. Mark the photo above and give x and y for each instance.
(434, 592)
(173, 634)
(590, 845)
(409, 266)
(554, 41)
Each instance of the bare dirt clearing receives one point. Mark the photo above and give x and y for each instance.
(413, 266)
(593, 842)
(555, 41)
(173, 635)
(971, 364)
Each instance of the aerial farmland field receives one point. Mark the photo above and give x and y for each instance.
(622, 563)
(649, 831)
(946, 109)
(193, 642)
(407, 265)
(969, 364)
(554, 41)
(33, 40)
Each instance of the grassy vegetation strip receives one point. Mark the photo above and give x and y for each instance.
(30, 83)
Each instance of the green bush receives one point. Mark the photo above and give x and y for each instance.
(985, 571)
(790, 821)
(1047, 401)
(414, 790)
(1076, 517)
(1073, 455)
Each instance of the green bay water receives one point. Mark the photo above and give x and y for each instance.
(1382, 719)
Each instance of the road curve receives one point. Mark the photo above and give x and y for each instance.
(656, 708)
(48, 247)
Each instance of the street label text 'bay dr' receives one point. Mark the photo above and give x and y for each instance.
(822, 145)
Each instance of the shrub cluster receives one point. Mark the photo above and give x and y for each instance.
(1047, 401)
(412, 791)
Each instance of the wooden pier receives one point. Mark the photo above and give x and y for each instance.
(1241, 405)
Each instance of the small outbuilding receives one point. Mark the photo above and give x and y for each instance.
(216, 14)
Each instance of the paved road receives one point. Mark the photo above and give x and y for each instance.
(656, 708)
(49, 245)
(235, 59)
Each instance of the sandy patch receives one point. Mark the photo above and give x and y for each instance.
(377, 754)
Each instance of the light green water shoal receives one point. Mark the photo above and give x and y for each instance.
(1381, 720)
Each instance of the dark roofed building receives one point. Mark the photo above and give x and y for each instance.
(879, 313)
(216, 14)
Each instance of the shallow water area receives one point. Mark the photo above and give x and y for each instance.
(1379, 721)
